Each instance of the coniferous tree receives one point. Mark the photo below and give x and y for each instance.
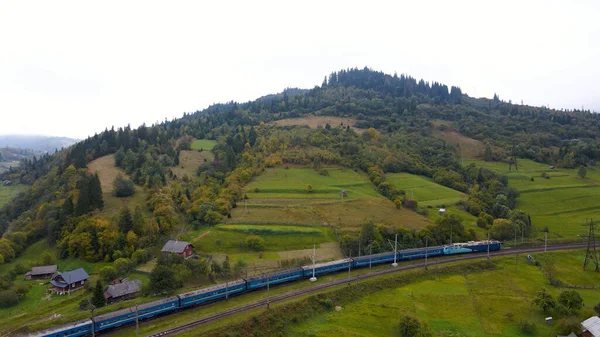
(138, 221)
(98, 299)
(96, 200)
(252, 136)
(83, 201)
(125, 220)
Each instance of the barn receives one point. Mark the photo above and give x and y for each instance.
(182, 248)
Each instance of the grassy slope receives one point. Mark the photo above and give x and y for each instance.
(203, 144)
(319, 121)
(468, 147)
(562, 202)
(9, 192)
(424, 190)
(107, 172)
(469, 304)
(190, 161)
(282, 198)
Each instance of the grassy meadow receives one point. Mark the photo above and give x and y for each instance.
(563, 202)
(9, 192)
(203, 144)
(280, 196)
(468, 304)
(424, 190)
(190, 161)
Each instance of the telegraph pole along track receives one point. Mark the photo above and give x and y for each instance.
(209, 319)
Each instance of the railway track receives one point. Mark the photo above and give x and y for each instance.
(292, 294)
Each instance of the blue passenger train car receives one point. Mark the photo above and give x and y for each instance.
(472, 247)
(211, 293)
(327, 267)
(419, 253)
(75, 329)
(260, 281)
(146, 310)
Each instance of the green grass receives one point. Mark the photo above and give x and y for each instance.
(562, 203)
(473, 304)
(203, 144)
(230, 238)
(291, 183)
(9, 192)
(424, 190)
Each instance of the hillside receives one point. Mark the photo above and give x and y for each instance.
(343, 166)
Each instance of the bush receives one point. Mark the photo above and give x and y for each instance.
(527, 326)
(255, 242)
(8, 298)
(123, 186)
(108, 274)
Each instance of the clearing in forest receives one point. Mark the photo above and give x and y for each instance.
(316, 121)
(562, 202)
(190, 162)
(107, 172)
(282, 195)
(203, 144)
(466, 147)
(9, 192)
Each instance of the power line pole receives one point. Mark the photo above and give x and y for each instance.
(314, 259)
(349, 264)
(93, 323)
(370, 254)
(137, 322)
(268, 298)
(591, 255)
(488, 252)
(395, 264)
(426, 241)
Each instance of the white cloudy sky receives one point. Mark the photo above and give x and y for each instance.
(74, 68)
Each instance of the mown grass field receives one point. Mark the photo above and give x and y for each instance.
(279, 196)
(424, 190)
(203, 144)
(467, 147)
(470, 304)
(319, 121)
(190, 161)
(9, 192)
(562, 203)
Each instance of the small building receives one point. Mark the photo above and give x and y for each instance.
(591, 327)
(182, 248)
(69, 281)
(124, 290)
(40, 272)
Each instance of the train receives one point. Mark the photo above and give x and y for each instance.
(104, 322)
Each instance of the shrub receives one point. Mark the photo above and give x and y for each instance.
(527, 326)
(108, 274)
(255, 242)
(8, 298)
(123, 186)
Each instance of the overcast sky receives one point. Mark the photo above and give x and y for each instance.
(74, 68)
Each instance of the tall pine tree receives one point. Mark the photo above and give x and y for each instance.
(98, 299)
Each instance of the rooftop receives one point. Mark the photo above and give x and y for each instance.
(592, 325)
(124, 288)
(175, 246)
(43, 270)
(70, 277)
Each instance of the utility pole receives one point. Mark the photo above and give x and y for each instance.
(395, 264)
(488, 252)
(349, 264)
(426, 241)
(93, 323)
(226, 287)
(137, 322)
(268, 298)
(314, 259)
(545, 241)
(591, 255)
(370, 254)
(451, 228)
(359, 240)
(515, 234)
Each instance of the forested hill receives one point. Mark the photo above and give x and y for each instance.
(392, 132)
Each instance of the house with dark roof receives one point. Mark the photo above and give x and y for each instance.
(40, 272)
(182, 248)
(123, 290)
(69, 281)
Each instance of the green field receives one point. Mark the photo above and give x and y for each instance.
(9, 192)
(279, 196)
(562, 203)
(230, 238)
(291, 183)
(203, 144)
(424, 190)
(469, 304)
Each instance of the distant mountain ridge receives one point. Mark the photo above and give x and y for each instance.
(36, 142)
